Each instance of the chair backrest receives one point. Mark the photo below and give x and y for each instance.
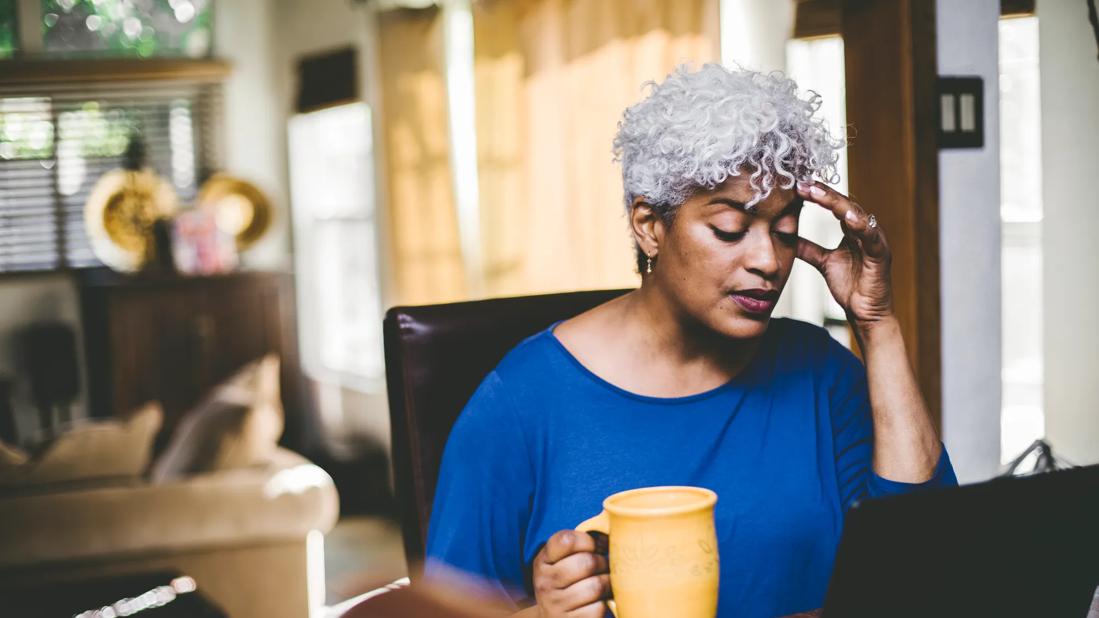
(435, 357)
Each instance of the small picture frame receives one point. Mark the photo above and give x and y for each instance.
(200, 247)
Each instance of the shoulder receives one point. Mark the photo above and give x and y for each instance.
(531, 360)
(509, 401)
(529, 368)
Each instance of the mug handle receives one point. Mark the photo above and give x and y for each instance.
(600, 523)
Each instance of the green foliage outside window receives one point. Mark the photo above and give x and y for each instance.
(9, 28)
(25, 129)
(142, 28)
(99, 133)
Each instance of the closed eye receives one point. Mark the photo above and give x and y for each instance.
(727, 236)
(787, 238)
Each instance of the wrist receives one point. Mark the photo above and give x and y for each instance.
(882, 327)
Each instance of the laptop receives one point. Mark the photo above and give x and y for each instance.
(1025, 546)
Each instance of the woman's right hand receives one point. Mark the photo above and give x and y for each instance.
(571, 577)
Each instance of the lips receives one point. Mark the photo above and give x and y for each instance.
(756, 301)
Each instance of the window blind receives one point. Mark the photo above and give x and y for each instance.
(57, 141)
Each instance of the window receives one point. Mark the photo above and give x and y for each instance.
(56, 143)
(816, 64)
(335, 242)
(1022, 416)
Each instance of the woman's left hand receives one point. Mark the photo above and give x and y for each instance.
(857, 271)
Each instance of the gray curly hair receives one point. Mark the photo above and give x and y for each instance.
(698, 128)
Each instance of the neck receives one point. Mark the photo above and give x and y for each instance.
(672, 334)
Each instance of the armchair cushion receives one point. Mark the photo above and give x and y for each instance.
(281, 500)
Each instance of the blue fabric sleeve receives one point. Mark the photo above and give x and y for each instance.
(853, 435)
(482, 500)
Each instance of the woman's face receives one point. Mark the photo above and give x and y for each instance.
(723, 265)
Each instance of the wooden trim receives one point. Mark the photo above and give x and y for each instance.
(893, 161)
(19, 73)
(28, 17)
(1016, 8)
(814, 18)
(925, 202)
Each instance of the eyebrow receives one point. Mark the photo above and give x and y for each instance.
(794, 205)
(728, 202)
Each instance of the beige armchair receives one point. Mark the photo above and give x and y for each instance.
(252, 538)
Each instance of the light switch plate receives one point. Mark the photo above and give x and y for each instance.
(961, 112)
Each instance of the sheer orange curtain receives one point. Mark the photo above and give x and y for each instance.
(552, 79)
(425, 253)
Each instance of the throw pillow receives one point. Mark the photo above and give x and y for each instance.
(103, 449)
(237, 425)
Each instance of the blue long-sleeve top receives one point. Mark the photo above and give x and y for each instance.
(787, 446)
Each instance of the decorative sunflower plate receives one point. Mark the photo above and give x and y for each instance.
(120, 213)
(240, 208)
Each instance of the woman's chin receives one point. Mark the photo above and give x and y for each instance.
(743, 327)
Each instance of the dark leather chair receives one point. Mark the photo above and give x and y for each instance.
(435, 357)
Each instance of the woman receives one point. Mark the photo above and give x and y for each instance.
(688, 381)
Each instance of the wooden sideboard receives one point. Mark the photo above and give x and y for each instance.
(171, 339)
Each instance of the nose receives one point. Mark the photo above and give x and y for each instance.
(761, 257)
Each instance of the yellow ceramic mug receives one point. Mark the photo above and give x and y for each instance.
(663, 552)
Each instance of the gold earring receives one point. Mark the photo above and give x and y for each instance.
(649, 265)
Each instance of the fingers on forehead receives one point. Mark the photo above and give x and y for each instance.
(829, 198)
(840, 205)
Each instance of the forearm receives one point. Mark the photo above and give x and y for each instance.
(906, 445)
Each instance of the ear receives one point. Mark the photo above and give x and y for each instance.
(647, 227)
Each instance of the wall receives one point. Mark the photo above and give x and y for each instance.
(754, 33)
(969, 223)
(264, 40)
(244, 35)
(304, 27)
(1070, 159)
